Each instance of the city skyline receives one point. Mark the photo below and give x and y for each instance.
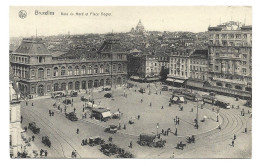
(175, 18)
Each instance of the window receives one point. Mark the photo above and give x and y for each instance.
(95, 69)
(245, 36)
(69, 70)
(40, 73)
(63, 71)
(114, 68)
(120, 68)
(107, 68)
(231, 36)
(238, 36)
(33, 74)
(55, 71)
(40, 59)
(244, 56)
(48, 88)
(244, 70)
(76, 70)
(83, 70)
(48, 72)
(89, 69)
(244, 63)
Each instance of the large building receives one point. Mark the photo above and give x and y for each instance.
(39, 73)
(230, 56)
(179, 66)
(139, 29)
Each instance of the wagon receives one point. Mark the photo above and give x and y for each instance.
(97, 140)
(150, 140)
(111, 129)
(71, 116)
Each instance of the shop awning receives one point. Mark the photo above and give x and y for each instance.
(179, 81)
(175, 99)
(197, 84)
(169, 80)
(106, 114)
(152, 79)
(181, 99)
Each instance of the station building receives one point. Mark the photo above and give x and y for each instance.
(39, 73)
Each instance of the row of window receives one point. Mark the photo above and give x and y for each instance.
(77, 71)
(231, 36)
(21, 59)
(196, 68)
(178, 73)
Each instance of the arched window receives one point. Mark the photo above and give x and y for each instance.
(63, 71)
(69, 70)
(238, 87)
(83, 85)
(55, 71)
(56, 87)
(63, 86)
(102, 82)
(77, 84)
(76, 70)
(119, 81)
(83, 70)
(101, 68)
(89, 69)
(219, 84)
(96, 83)
(40, 73)
(70, 86)
(95, 69)
(90, 84)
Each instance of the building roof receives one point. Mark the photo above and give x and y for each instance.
(111, 44)
(32, 46)
(200, 54)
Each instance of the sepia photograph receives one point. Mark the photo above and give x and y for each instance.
(107, 82)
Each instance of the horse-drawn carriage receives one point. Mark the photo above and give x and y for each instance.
(32, 126)
(71, 116)
(150, 140)
(46, 141)
(109, 149)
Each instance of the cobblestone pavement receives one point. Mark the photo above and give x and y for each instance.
(211, 142)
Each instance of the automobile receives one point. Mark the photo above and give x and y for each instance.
(164, 88)
(73, 94)
(141, 90)
(57, 95)
(150, 140)
(67, 101)
(111, 129)
(97, 140)
(212, 94)
(32, 126)
(46, 141)
(106, 89)
(83, 98)
(108, 95)
(71, 116)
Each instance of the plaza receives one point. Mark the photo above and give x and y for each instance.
(211, 141)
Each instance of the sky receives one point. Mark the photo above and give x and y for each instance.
(122, 19)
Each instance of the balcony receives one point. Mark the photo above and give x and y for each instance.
(230, 81)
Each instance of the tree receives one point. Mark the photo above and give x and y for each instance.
(164, 72)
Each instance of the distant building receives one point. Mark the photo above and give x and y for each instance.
(199, 65)
(179, 67)
(230, 56)
(39, 73)
(139, 29)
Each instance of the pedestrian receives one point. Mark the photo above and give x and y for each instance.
(170, 104)
(52, 113)
(21, 119)
(26, 103)
(25, 128)
(33, 138)
(162, 131)
(172, 155)
(46, 153)
(176, 131)
(74, 109)
(85, 115)
(233, 143)
(32, 104)
(245, 130)
(124, 127)
(138, 117)
(162, 106)
(77, 131)
(141, 100)
(174, 121)
(235, 136)
(167, 133)
(219, 127)
(41, 151)
(160, 92)
(83, 109)
(131, 144)
(72, 100)
(60, 109)
(150, 104)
